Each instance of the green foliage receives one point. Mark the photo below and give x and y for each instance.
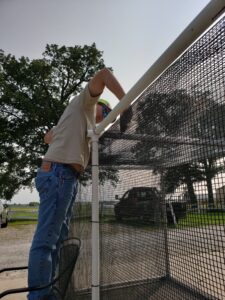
(33, 95)
(165, 114)
(109, 173)
(33, 204)
(178, 175)
(175, 115)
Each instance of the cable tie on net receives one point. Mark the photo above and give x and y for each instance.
(95, 285)
(95, 165)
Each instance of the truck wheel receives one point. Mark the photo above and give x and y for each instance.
(4, 225)
(118, 217)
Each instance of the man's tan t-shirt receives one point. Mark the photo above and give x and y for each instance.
(70, 143)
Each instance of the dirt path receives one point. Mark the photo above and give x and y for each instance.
(14, 248)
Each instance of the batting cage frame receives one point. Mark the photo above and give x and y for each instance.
(151, 232)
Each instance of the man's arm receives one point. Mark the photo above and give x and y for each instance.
(48, 137)
(102, 79)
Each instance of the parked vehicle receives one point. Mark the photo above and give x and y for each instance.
(3, 215)
(145, 202)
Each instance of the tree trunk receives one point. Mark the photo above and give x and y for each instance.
(191, 192)
(210, 192)
(208, 169)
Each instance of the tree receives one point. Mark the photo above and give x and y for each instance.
(167, 116)
(184, 174)
(177, 116)
(33, 95)
(211, 127)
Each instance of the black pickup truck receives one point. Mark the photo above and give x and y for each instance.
(145, 202)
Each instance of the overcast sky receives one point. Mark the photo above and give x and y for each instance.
(131, 33)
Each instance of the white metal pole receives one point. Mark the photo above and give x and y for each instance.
(95, 218)
(203, 20)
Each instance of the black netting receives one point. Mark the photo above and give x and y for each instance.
(162, 193)
(180, 118)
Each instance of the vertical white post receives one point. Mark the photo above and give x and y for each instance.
(95, 219)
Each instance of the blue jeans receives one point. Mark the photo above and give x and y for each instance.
(57, 190)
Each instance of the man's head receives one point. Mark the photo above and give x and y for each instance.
(103, 109)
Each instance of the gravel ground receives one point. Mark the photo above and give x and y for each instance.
(14, 248)
(196, 256)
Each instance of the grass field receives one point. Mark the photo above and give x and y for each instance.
(15, 223)
(191, 220)
(202, 219)
(26, 214)
(23, 214)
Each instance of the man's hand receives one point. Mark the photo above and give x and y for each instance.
(48, 137)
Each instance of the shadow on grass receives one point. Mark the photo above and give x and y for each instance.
(131, 222)
(21, 222)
